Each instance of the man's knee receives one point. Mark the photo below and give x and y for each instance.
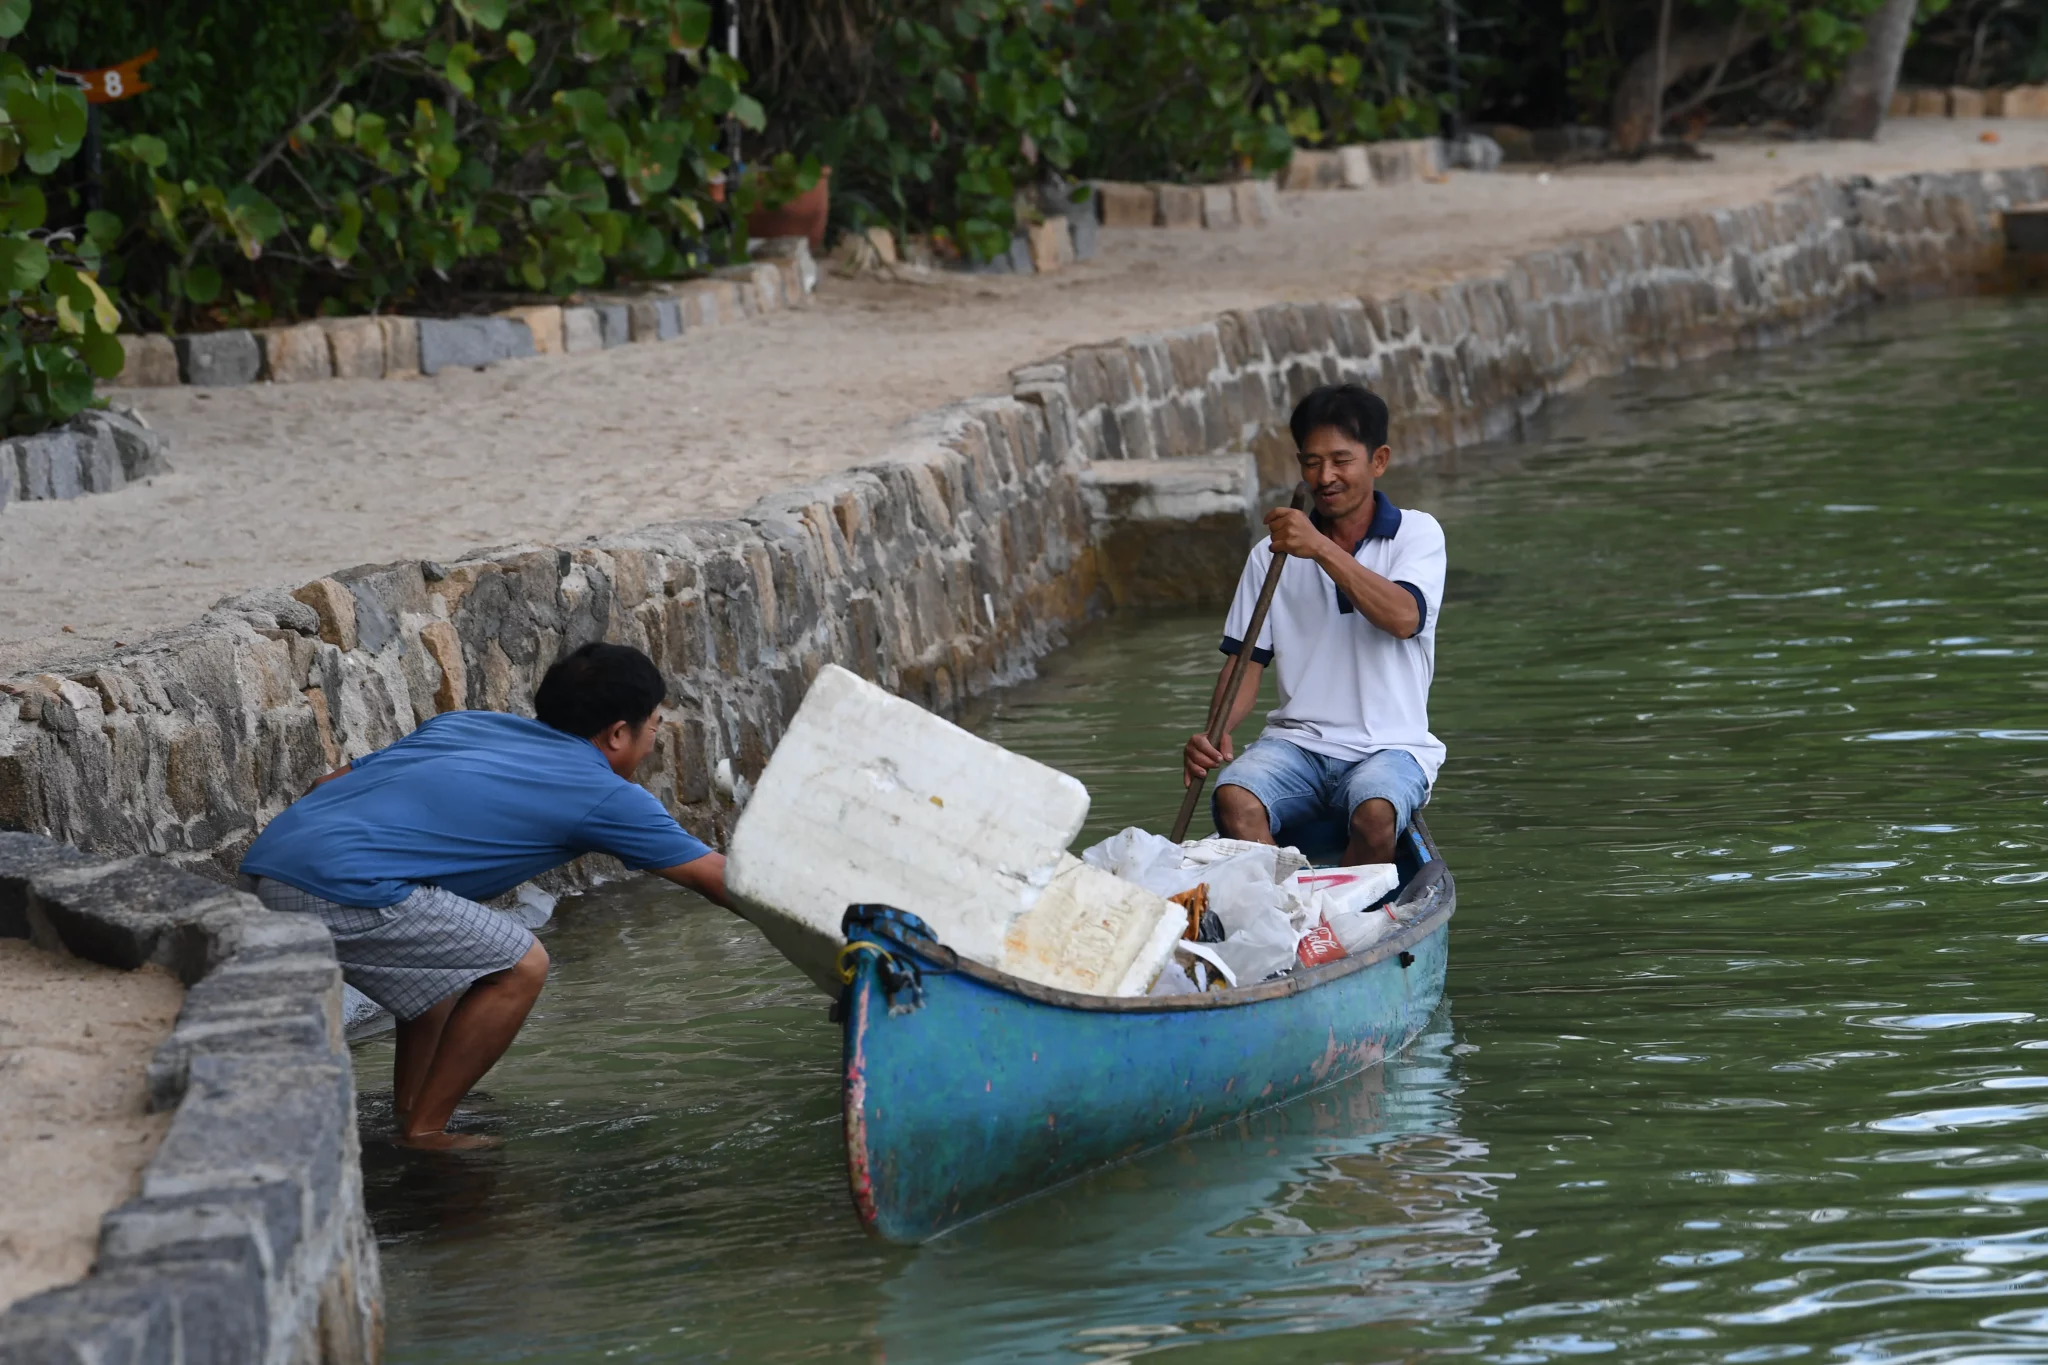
(1241, 814)
(1372, 824)
(529, 973)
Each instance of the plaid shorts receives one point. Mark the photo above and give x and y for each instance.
(410, 956)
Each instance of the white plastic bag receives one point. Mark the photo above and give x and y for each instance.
(1358, 930)
(1259, 938)
(1201, 852)
(1242, 891)
(1137, 856)
(531, 906)
(1174, 980)
(1204, 964)
(1343, 897)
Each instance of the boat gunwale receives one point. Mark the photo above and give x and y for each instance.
(1431, 882)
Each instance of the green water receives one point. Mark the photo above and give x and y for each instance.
(1744, 674)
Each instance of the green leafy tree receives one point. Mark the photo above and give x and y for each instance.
(940, 113)
(964, 105)
(416, 150)
(1733, 56)
(57, 324)
(1175, 89)
(1352, 72)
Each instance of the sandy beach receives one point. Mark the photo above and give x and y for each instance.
(74, 1039)
(276, 484)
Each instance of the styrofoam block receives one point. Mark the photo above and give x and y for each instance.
(1337, 890)
(873, 799)
(1093, 933)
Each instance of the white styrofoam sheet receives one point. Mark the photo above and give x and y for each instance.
(870, 798)
(1093, 933)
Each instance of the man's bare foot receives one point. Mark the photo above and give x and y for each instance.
(449, 1142)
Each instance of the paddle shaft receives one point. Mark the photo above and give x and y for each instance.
(1233, 677)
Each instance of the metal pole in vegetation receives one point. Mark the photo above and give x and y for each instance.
(1457, 86)
(732, 50)
(92, 157)
(1233, 677)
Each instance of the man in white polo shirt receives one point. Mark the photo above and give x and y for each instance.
(1347, 756)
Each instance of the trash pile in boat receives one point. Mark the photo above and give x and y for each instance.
(870, 799)
(1250, 911)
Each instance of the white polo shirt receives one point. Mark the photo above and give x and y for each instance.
(1347, 688)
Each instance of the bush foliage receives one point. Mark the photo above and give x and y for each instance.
(338, 159)
(933, 113)
(57, 323)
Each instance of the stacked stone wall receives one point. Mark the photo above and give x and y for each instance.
(948, 565)
(97, 451)
(248, 1240)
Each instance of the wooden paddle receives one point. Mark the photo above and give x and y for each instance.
(1233, 679)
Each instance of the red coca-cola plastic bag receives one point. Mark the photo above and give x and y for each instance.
(1318, 945)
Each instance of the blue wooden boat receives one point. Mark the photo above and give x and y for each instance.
(967, 1089)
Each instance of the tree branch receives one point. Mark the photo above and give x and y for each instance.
(1713, 82)
(209, 232)
(1745, 83)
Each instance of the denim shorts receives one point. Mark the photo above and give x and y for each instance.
(1309, 797)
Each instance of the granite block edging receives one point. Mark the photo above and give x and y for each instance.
(1361, 165)
(248, 1240)
(951, 563)
(2009, 101)
(97, 451)
(1221, 206)
(782, 275)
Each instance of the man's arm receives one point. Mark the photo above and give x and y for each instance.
(705, 876)
(1201, 755)
(1379, 600)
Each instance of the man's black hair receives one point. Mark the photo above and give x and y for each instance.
(593, 686)
(1353, 409)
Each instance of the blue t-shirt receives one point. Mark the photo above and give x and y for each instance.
(473, 801)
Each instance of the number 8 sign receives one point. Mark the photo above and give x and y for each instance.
(109, 84)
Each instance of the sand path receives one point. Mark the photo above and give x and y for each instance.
(276, 484)
(74, 1039)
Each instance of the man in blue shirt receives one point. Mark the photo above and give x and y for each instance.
(395, 850)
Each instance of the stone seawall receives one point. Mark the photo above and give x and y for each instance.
(248, 1241)
(954, 560)
(938, 572)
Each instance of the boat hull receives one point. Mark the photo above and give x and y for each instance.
(991, 1089)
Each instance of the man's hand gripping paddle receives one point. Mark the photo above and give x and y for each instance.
(1233, 679)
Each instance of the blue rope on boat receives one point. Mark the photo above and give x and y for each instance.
(876, 930)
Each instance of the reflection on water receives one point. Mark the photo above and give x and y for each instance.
(1317, 1218)
(1742, 673)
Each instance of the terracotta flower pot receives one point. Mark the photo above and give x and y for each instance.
(803, 216)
